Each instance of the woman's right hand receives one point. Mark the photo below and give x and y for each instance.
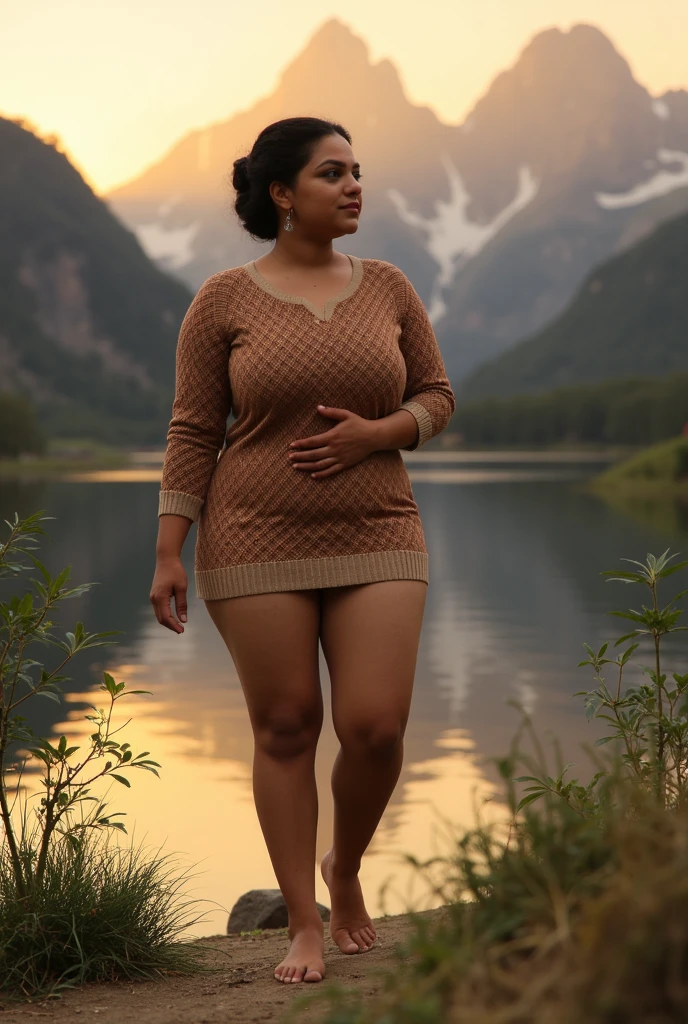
(169, 579)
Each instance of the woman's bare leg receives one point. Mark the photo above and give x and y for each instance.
(370, 636)
(273, 641)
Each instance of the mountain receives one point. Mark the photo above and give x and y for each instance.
(88, 324)
(181, 207)
(628, 319)
(565, 161)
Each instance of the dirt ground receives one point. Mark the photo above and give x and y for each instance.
(243, 991)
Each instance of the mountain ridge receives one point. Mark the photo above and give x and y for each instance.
(628, 318)
(88, 324)
(563, 161)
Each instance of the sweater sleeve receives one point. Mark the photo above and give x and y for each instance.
(202, 403)
(428, 394)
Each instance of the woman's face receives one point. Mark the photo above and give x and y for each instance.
(326, 197)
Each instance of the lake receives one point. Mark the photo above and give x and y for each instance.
(516, 551)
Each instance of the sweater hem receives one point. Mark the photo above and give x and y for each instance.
(309, 573)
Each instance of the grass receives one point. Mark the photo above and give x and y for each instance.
(562, 919)
(73, 907)
(660, 469)
(576, 909)
(103, 913)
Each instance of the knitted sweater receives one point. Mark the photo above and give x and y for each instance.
(271, 358)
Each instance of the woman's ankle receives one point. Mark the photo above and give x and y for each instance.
(339, 869)
(305, 921)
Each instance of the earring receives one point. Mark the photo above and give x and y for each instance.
(288, 226)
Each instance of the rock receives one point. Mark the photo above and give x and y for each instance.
(263, 908)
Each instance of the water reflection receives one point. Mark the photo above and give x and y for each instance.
(515, 590)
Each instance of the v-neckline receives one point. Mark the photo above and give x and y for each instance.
(328, 309)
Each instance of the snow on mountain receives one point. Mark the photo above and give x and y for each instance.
(661, 110)
(174, 246)
(450, 232)
(660, 184)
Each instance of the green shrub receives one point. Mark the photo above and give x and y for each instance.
(72, 907)
(661, 464)
(100, 913)
(577, 910)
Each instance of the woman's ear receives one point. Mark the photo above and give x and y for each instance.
(280, 195)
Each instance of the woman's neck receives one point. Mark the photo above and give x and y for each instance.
(302, 252)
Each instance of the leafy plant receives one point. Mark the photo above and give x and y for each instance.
(577, 908)
(71, 909)
(648, 721)
(25, 623)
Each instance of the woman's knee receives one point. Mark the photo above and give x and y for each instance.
(378, 735)
(285, 733)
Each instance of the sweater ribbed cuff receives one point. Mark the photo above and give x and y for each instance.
(180, 504)
(424, 423)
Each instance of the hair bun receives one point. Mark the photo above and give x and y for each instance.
(240, 178)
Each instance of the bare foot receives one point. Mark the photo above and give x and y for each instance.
(350, 925)
(304, 961)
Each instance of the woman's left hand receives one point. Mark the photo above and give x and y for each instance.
(349, 442)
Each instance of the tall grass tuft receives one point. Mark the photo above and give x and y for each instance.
(102, 913)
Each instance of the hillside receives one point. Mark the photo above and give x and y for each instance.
(620, 411)
(628, 319)
(88, 324)
(565, 161)
(660, 468)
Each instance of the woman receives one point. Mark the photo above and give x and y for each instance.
(307, 526)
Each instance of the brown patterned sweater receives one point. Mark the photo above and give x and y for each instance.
(272, 358)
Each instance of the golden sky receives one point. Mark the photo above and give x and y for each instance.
(119, 83)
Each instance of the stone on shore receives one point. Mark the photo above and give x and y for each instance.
(263, 908)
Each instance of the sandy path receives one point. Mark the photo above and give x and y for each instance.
(243, 991)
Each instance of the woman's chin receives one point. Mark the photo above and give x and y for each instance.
(350, 228)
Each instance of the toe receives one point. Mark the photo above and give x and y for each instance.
(360, 940)
(298, 974)
(347, 943)
(312, 974)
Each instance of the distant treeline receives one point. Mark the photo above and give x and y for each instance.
(19, 428)
(25, 427)
(638, 410)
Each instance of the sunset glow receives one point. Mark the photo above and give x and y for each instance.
(121, 84)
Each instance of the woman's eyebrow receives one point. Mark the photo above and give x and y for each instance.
(337, 163)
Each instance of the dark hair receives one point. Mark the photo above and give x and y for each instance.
(278, 154)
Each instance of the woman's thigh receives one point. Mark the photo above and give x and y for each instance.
(273, 642)
(370, 634)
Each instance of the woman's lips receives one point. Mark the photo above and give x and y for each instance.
(352, 206)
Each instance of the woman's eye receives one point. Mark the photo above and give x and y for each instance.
(335, 171)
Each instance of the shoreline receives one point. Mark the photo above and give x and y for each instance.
(638, 488)
(136, 464)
